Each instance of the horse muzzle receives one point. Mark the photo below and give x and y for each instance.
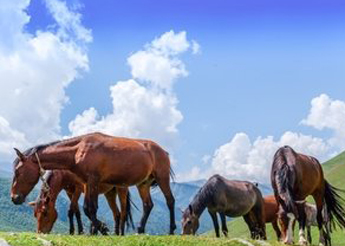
(18, 199)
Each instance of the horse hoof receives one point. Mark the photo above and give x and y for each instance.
(141, 230)
(303, 242)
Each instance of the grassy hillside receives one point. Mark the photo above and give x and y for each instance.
(334, 170)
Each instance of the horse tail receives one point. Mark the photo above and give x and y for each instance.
(283, 179)
(129, 217)
(334, 206)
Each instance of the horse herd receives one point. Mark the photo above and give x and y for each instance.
(96, 164)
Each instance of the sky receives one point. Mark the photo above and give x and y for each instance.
(220, 84)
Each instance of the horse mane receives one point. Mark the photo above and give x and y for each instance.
(283, 176)
(205, 194)
(39, 147)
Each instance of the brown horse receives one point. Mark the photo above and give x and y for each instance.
(295, 176)
(58, 180)
(97, 159)
(271, 213)
(228, 198)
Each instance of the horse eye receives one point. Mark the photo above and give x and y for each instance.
(189, 222)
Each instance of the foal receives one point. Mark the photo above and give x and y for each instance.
(58, 180)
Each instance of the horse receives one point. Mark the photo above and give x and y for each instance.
(311, 219)
(58, 180)
(271, 210)
(96, 159)
(295, 176)
(228, 198)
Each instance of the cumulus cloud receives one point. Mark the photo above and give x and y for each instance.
(35, 70)
(144, 106)
(326, 113)
(244, 159)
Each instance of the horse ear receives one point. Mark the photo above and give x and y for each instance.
(19, 154)
(191, 209)
(32, 204)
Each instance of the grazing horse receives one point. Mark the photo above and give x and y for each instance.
(295, 176)
(98, 159)
(58, 180)
(228, 198)
(271, 210)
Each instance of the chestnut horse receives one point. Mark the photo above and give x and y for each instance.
(271, 213)
(228, 198)
(97, 159)
(295, 176)
(58, 180)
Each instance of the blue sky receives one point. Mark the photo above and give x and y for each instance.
(260, 65)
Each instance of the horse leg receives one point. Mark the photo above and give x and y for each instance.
(224, 226)
(276, 229)
(74, 201)
(164, 185)
(309, 234)
(215, 222)
(247, 218)
(301, 222)
(71, 214)
(111, 199)
(318, 197)
(258, 217)
(91, 206)
(123, 193)
(144, 192)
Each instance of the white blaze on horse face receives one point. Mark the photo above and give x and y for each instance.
(289, 236)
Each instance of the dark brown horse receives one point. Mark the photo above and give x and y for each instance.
(99, 159)
(58, 180)
(295, 176)
(271, 213)
(228, 198)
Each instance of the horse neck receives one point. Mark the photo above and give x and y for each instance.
(55, 183)
(56, 157)
(201, 201)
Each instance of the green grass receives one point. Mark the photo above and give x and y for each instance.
(33, 239)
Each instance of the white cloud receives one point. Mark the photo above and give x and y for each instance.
(35, 70)
(326, 113)
(145, 106)
(246, 160)
(158, 64)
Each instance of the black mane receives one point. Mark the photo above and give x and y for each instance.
(206, 194)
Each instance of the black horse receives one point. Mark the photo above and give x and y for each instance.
(228, 198)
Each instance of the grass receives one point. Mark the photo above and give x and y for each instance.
(33, 239)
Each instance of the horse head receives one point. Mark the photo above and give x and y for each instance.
(44, 212)
(26, 175)
(190, 221)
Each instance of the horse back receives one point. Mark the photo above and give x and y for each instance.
(236, 198)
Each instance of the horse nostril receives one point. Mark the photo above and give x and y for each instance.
(17, 199)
